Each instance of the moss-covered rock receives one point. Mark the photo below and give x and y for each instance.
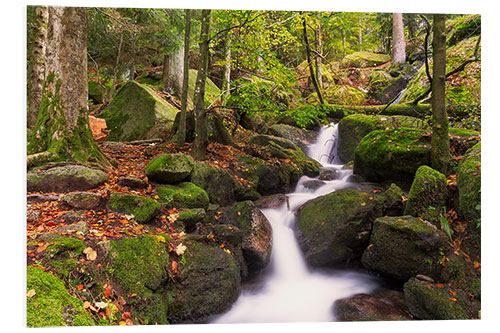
(208, 284)
(469, 190)
(182, 195)
(340, 94)
(364, 59)
(138, 266)
(301, 137)
(190, 217)
(462, 27)
(143, 209)
(96, 92)
(83, 200)
(138, 113)
(429, 301)
(335, 228)
(65, 178)
(394, 154)
(257, 233)
(428, 195)
(169, 168)
(384, 87)
(393, 200)
(217, 182)
(354, 127)
(52, 305)
(419, 255)
(211, 90)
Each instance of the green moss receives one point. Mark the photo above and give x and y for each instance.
(211, 90)
(340, 94)
(169, 168)
(65, 246)
(364, 59)
(143, 209)
(52, 305)
(469, 186)
(182, 195)
(217, 182)
(427, 190)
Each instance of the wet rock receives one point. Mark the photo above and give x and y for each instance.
(329, 173)
(382, 305)
(182, 195)
(143, 209)
(133, 183)
(65, 179)
(217, 182)
(270, 201)
(301, 137)
(169, 168)
(190, 217)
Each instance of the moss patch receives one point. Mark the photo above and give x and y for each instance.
(169, 168)
(365, 59)
(52, 305)
(183, 195)
(144, 209)
(211, 90)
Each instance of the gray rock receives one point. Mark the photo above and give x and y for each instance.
(131, 182)
(41, 198)
(83, 200)
(65, 179)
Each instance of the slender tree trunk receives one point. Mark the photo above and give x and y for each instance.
(398, 39)
(200, 143)
(440, 152)
(412, 26)
(181, 131)
(173, 72)
(62, 129)
(319, 59)
(117, 63)
(37, 70)
(309, 62)
(226, 76)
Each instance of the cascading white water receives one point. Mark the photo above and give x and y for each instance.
(290, 291)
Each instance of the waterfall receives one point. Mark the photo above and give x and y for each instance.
(290, 291)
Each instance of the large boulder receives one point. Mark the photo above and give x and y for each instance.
(364, 59)
(340, 94)
(142, 208)
(469, 185)
(138, 113)
(208, 284)
(65, 179)
(138, 266)
(393, 154)
(354, 127)
(182, 195)
(51, 304)
(301, 137)
(211, 90)
(217, 182)
(428, 194)
(169, 168)
(257, 233)
(431, 301)
(382, 305)
(420, 254)
(335, 228)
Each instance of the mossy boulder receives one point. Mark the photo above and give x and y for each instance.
(465, 88)
(217, 182)
(393, 154)
(335, 228)
(301, 137)
(257, 233)
(430, 301)
(142, 208)
(428, 195)
(52, 305)
(96, 92)
(211, 90)
(169, 168)
(420, 254)
(65, 179)
(469, 185)
(393, 200)
(138, 266)
(208, 284)
(382, 305)
(364, 59)
(83, 200)
(190, 217)
(384, 87)
(354, 127)
(340, 94)
(138, 113)
(462, 27)
(182, 195)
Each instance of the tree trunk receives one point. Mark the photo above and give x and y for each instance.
(319, 59)
(440, 152)
(117, 63)
(200, 143)
(181, 130)
(412, 26)
(309, 62)
(398, 39)
(173, 72)
(62, 126)
(226, 76)
(37, 70)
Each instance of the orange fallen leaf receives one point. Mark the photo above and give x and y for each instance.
(31, 293)
(107, 290)
(452, 292)
(174, 265)
(453, 299)
(439, 285)
(79, 287)
(363, 204)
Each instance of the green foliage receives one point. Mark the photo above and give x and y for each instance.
(444, 224)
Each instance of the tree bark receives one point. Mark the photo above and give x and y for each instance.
(173, 72)
(200, 143)
(309, 62)
(37, 70)
(62, 126)
(398, 39)
(181, 131)
(319, 59)
(117, 63)
(440, 152)
(226, 76)
(412, 26)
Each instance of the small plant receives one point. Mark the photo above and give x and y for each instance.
(444, 224)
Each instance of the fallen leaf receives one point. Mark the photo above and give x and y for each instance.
(439, 285)
(453, 299)
(30, 293)
(452, 292)
(79, 287)
(90, 253)
(101, 305)
(161, 239)
(174, 265)
(180, 249)
(107, 290)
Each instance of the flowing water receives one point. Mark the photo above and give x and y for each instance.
(290, 291)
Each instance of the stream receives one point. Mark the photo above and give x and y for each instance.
(290, 291)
